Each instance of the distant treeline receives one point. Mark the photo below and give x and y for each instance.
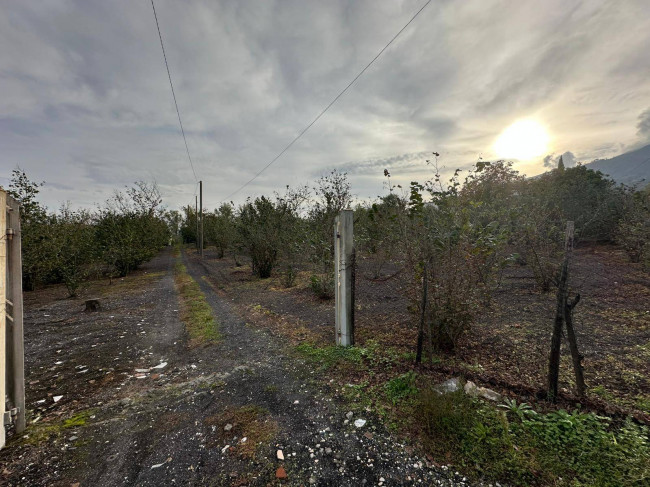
(458, 233)
(72, 246)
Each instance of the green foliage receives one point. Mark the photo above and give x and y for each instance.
(74, 240)
(219, 229)
(327, 357)
(633, 232)
(588, 198)
(260, 224)
(523, 447)
(25, 192)
(196, 313)
(401, 387)
(377, 230)
(38, 433)
(188, 227)
(332, 194)
(456, 242)
(69, 247)
(289, 276)
(130, 228)
(322, 286)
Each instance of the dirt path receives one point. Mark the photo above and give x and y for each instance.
(138, 425)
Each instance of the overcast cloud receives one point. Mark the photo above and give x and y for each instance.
(85, 102)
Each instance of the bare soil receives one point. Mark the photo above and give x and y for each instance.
(118, 397)
(507, 348)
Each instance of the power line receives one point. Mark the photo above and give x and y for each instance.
(302, 132)
(172, 87)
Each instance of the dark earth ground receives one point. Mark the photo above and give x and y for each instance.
(507, 348)
(121, 422)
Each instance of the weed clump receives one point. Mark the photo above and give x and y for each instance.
(401, 387)
(523, 447)
(331, 355)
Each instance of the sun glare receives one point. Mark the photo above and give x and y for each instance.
(523, 140)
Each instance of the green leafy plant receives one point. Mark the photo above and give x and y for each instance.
(401, 387)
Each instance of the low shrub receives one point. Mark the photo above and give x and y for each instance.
(323, 286)
(522, 447)
(401, 387)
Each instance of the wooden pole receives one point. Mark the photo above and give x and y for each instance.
(196, 217)
(201, 212)
(17, 344)
(3, 311)
(573, 345)
(561, 302)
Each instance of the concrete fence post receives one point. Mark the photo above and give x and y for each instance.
(12, 366)
(344, 277)
(3, 311)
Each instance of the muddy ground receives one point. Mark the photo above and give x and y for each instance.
(117, 397)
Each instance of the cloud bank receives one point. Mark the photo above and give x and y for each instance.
(86, 104)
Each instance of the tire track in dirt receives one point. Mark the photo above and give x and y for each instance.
(169, 430)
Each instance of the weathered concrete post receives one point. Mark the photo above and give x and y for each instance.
(17, 345)
(343, 277)
(3, 310)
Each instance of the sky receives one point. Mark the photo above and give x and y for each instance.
(86, 106)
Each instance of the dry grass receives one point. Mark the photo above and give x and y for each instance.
(251, 422)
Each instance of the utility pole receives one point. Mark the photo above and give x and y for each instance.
(201, 211)
(196, 217)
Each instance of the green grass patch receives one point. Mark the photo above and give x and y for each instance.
(37, 433)
(401, 387)
(196, 313)
(517, 445)
(331, 355)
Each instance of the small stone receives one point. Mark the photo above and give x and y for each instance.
(349, 415)
(328, 451)
(228, 427)
(57, 398)
(161, 365)
(360, 423)
(451, 385)
(280, 455)
(155, 376)
(470, 388)
(281, 473)
(368, 435)
(489, 394)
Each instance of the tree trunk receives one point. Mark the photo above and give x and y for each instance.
(573, 345)
(556, 340)
(418, 355)
(562, 293)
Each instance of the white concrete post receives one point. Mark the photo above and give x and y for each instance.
(15, 290)
(343, 277)
(3, 310)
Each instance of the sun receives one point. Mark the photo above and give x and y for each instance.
(523, 140)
